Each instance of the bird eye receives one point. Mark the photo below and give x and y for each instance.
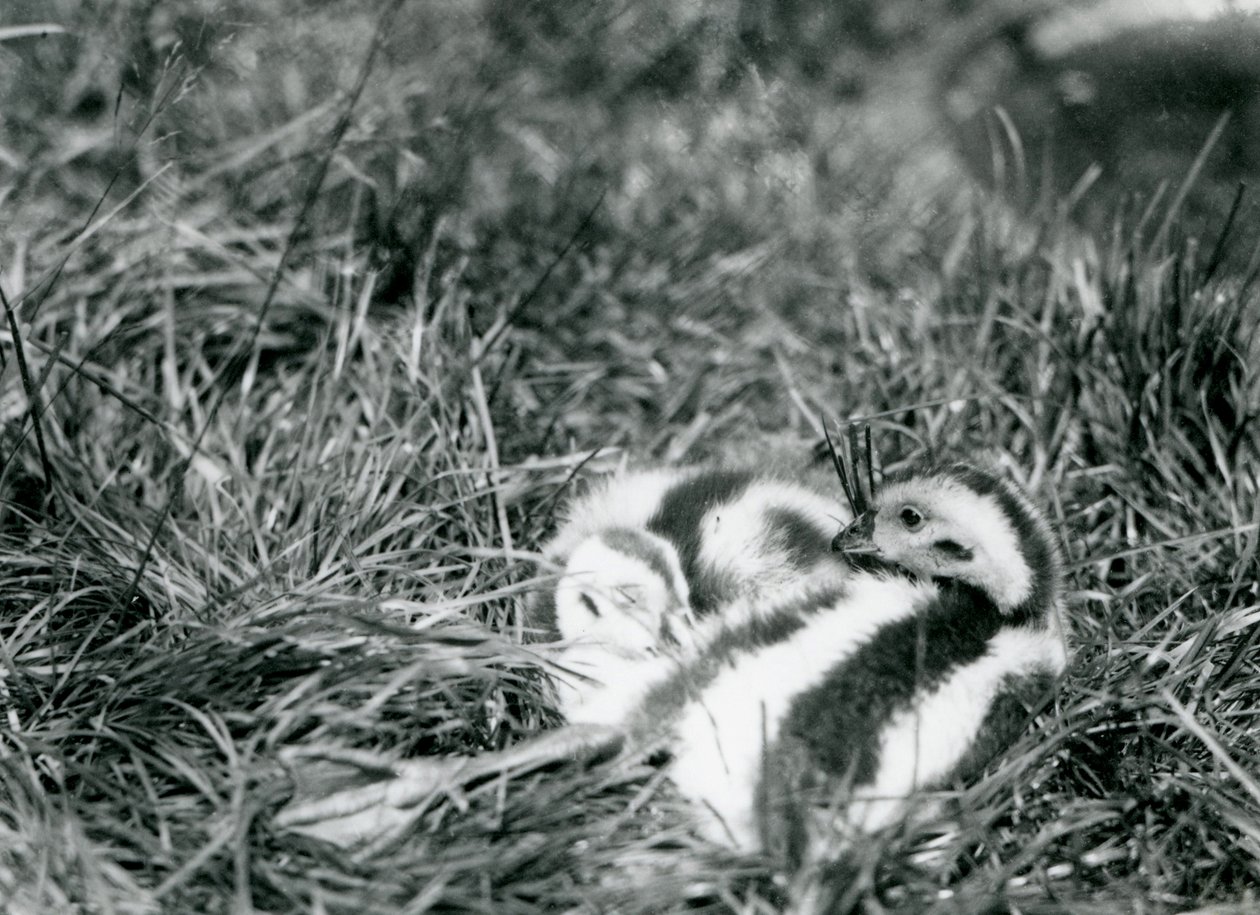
(911, 518)
(588, 603)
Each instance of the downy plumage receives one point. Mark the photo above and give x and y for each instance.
(814, 708)
(650, 557)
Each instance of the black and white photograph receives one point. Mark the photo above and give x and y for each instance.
(629, 457)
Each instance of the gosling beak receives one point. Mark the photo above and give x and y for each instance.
(856, 537)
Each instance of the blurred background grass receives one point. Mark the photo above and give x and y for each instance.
(321, 306)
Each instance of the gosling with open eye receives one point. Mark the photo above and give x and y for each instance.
(818, 723)
(963, 524)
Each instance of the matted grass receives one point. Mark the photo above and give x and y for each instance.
(314, 342)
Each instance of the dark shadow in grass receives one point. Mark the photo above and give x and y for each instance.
(1139, 105)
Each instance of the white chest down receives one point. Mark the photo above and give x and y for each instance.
(833, 690)
(725, 735)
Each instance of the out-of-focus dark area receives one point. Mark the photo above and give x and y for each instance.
(995, 88)
(1140, 104)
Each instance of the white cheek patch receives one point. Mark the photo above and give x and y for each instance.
(610, 597)
(923, 744)
(610, 606)
(998, 566)
(721, 735)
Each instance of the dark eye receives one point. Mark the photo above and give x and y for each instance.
(911, 518)
(588, 603)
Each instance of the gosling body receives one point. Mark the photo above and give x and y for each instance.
(805, 702)
(891, 682)
(655, 562)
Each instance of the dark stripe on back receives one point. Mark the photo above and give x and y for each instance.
(540, 614)
(799, 536)
(839, 721)
(635, 544)
(1018, 696)
(678, 520)
(666, 699)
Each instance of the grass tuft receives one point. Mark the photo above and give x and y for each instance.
(315, 360)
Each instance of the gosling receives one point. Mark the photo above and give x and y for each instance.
(656, 561)
(806, 725)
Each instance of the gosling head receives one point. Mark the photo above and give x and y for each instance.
(625, 589)
(966, 524)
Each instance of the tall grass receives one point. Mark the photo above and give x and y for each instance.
(312, 368)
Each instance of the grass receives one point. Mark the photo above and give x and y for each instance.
(295, 375)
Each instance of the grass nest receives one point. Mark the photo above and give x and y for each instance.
(301, 352)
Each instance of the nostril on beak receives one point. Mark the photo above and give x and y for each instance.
(856, 536)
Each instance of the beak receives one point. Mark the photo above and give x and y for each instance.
(858, 536)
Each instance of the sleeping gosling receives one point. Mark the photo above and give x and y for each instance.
(654, 561)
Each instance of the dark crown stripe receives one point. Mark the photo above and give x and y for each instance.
(1036, 543)
(637, 545)
(1035, 538)
(678, 520)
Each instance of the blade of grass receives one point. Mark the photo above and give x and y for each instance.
(245, 359)
(1192, 177)
(838, 464)
(34, 405)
